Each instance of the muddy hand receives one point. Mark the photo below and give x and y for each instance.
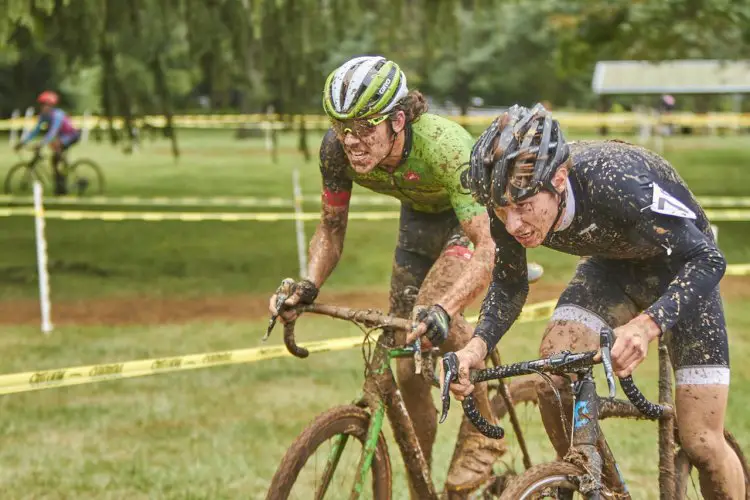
(631, 344)
(434, 323)
(277, 303)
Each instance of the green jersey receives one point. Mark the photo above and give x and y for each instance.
(432, 177)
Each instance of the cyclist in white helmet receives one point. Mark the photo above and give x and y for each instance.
(382, 139)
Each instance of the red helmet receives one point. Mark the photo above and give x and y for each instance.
(48, 97)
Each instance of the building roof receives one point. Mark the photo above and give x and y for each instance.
(689, 76)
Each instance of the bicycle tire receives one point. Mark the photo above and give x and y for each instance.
(350, 420)
(97, 172)
(8, 184)
(683, 468)
(540, 477)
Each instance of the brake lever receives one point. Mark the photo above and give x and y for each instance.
(450, 373)
(606, 339)
(282, 293)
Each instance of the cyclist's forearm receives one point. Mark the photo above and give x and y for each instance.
(472, 282)
(500, 309)
(695, 281)
(326, 246)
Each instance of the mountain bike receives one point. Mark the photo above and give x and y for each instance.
(82, 177)
(589, 467)
(321, 449)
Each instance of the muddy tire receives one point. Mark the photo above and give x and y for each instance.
(350, 420)
(542, 481)
(683, 468)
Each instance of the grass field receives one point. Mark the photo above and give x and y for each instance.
(129, 290)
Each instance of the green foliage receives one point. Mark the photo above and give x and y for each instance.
(248, 54)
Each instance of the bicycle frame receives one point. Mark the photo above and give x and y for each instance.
(588, 439)
(382, 397)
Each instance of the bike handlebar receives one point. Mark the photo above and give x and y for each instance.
(565, 362)
(368, 317)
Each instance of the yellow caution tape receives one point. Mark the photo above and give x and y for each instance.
(273, 201)
(724, 201)
(194, 201)
(274, 121)
(531, 312)
(728, 215)
(713, 215)
(188, 216)
(77, 375)
(221, 201)
(738, 270)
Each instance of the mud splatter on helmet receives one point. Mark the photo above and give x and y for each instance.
(517, 156)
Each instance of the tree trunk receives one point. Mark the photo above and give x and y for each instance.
(303, 146)
(160, 80)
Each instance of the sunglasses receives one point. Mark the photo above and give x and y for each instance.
(359, 128)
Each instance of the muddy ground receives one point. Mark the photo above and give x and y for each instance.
(149, 311)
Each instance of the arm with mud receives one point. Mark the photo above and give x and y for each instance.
(327, 243)
(476, 274)
(679, 240)
(509, 287)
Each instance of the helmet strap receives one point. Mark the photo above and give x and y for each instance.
(394, 135)
(562, 201)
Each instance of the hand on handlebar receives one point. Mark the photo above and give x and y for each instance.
(469, 358)
(434, 323)
(631, 344)
(288, 295)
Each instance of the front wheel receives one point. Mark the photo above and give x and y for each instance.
(683, 469)
(84, 177)
(551, 480)
(20, 179)
(324, 450)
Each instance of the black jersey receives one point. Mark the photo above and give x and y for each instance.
(629, 205)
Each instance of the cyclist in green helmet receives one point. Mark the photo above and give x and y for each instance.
(382, 139)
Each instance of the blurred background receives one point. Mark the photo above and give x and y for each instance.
(204, 119)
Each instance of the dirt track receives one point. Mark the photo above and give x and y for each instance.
(146, 310)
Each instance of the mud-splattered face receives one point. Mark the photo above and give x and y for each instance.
(368, 142)
(529, 221)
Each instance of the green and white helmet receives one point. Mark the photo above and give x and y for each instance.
(362, 87)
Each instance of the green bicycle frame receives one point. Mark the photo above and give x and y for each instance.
(373, 431)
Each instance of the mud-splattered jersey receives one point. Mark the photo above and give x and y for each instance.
(629, 204)
(432, 178)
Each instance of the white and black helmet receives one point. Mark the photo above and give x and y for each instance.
(362, 87)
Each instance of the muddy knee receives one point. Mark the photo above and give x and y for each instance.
(705, 449)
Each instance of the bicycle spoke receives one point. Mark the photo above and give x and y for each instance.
(339, 442)
(331, 472)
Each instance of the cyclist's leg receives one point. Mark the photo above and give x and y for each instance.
(57, 148)
(592, 299)
(421, 237)
(700, 354)
(474, 454)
